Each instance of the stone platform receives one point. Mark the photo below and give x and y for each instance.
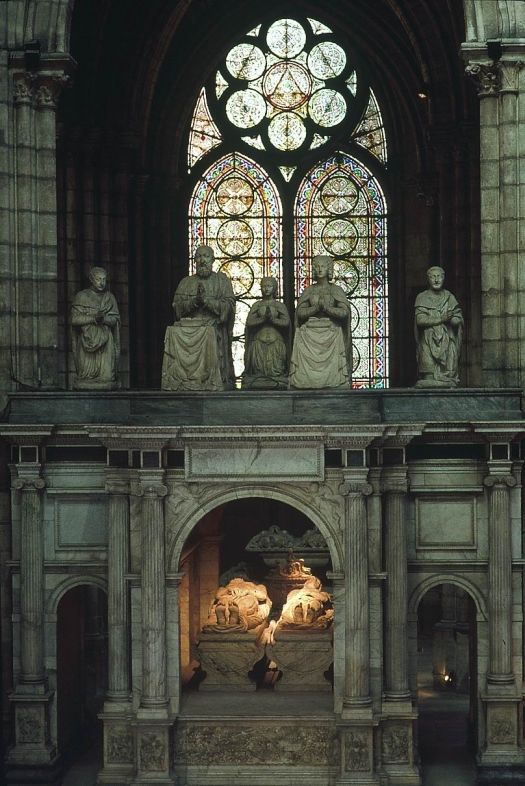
(240, 407)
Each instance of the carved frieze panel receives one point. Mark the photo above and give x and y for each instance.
(30, 725)
(259, 743)
(395, 744)
(357, 751)
(502, 726)
(119, 745)
(153, 752)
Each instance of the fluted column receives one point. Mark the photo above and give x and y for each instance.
(153, 591)
(500, 580)
(396, 622)
(357, 633)
(32, 672)
(118, 605)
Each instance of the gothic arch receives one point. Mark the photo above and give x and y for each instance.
(70, 583)
(445, 578)
(328, 529)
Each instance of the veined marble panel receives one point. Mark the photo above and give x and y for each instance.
(445, 523)
(81, 522)
(246, 460)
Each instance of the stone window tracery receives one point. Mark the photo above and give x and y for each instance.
(288, 133)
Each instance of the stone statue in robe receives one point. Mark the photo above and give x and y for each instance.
(198, 346)
(267, 340)
(95, 321)
(322, 349)
(438, 330)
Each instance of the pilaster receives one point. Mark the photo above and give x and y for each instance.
(34, 275)
(501, 85)
(118, 750)
(356, 727)
(31, 697)
(398, 715)
(153, 725)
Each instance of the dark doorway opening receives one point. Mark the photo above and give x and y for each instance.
(447, 686)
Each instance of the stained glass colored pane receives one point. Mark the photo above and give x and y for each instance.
(370, 132)
(245, 108)
(340, 210)
(326, 60)
(287, 172)
(318, 140)
(204, 134)
(246, 62)
(286, 38)
(327, 107)
(235, 208)
(254, 141)
(287, 85)
(318, 27)
(286, 131)
(220, 84)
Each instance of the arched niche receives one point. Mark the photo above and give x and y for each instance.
(229, 541)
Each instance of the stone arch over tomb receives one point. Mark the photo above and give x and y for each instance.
(429, 583)
(70, 583)
(294, 498)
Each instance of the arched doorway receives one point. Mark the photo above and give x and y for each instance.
(256, 540)
(447, 684)
(81, 669)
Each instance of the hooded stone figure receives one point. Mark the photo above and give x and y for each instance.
(438, 327)
(95, 321)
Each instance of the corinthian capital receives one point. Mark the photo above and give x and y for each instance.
(487, 77)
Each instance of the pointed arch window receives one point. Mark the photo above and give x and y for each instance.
(261, 155)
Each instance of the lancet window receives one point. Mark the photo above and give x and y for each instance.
(288, 153)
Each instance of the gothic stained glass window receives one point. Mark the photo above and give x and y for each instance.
(235, 208)
(340, 210)
(288, 93)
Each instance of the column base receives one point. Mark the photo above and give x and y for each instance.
(503, 731)
(356, 737)
(119, 747)
(32, 746)
(397, 747)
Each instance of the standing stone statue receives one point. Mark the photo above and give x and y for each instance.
(267, 337)
(438, 328)
(95, 320)
(322, 350)
(198, 346)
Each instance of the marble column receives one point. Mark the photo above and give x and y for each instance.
(500, 580)
(31, 583)
(31, 697)
(118, 605)
(396, 621)
(153, 592)
(501, 87)
(152, 728)
(356, 735)
(357, 633)
(119, 748)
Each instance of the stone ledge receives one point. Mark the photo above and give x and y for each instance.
(288, 407)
